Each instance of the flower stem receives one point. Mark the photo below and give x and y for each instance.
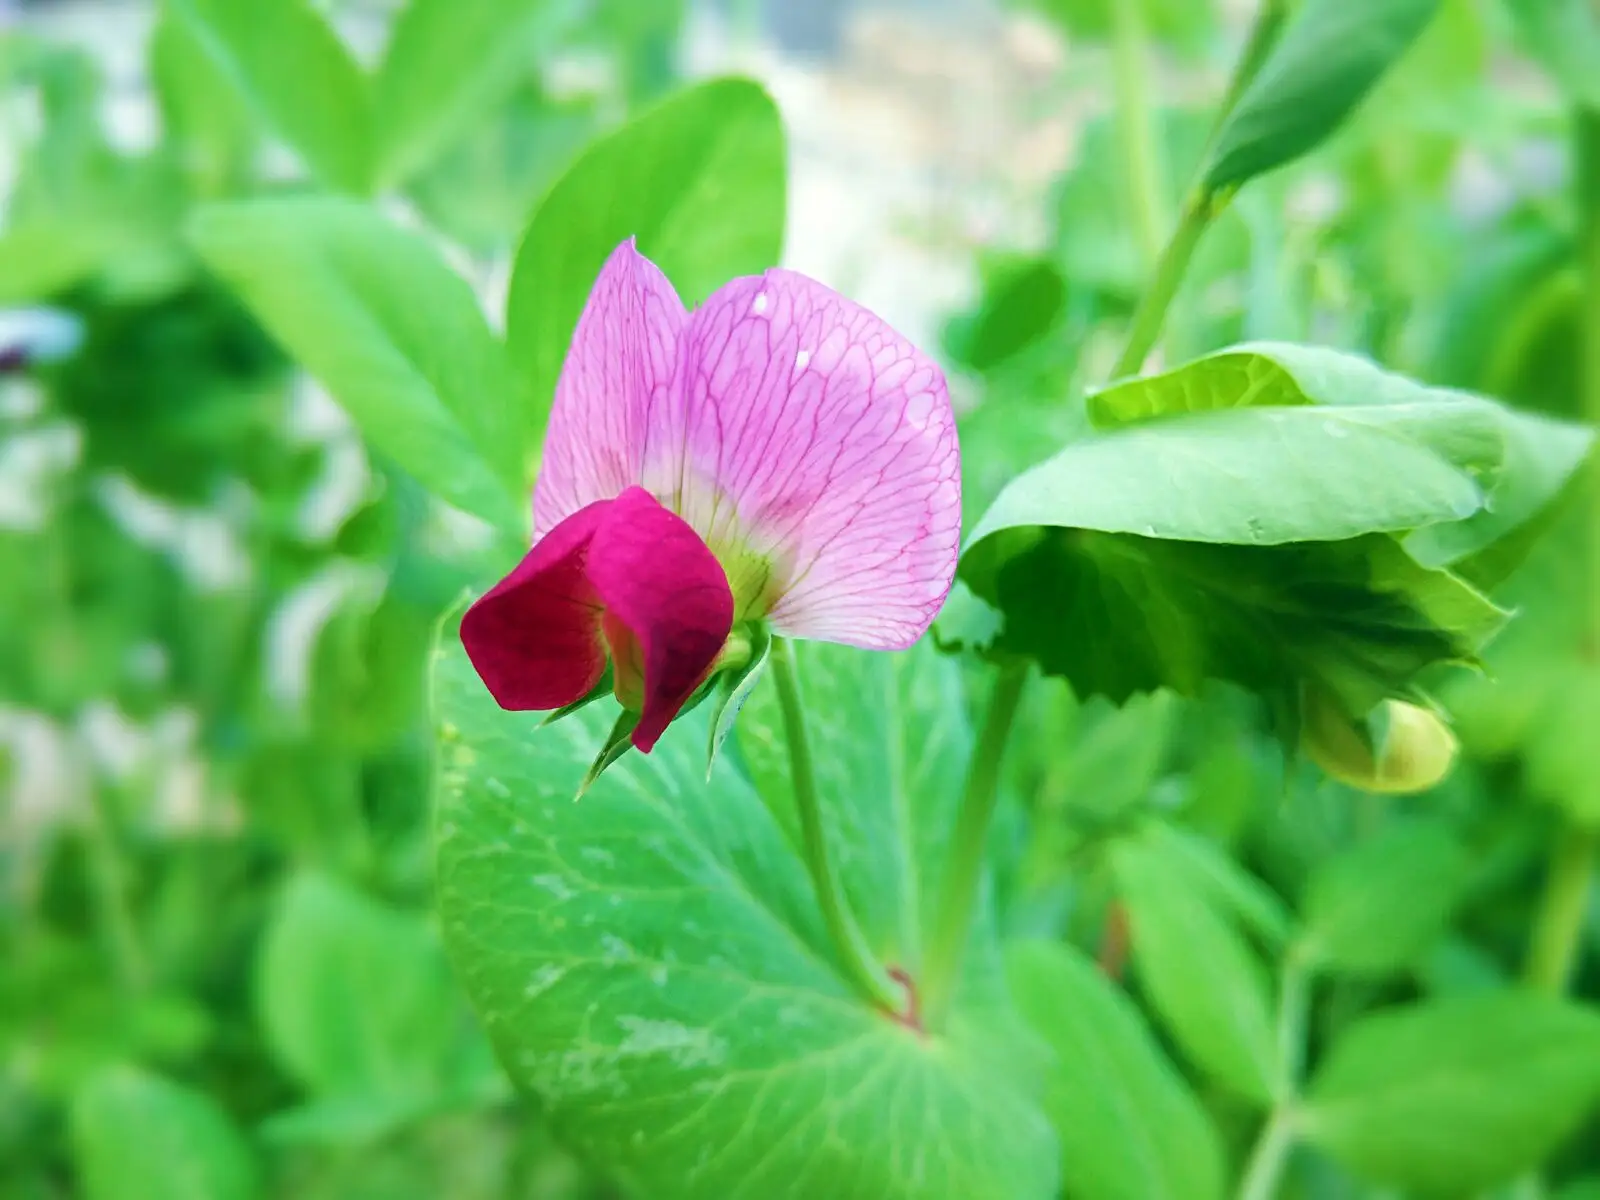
(1141, 150)
(963, 868)
(859, 961)
(1267, 1159)
(109, 875)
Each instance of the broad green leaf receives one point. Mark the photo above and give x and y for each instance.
(136, 1136)
(447, 64)
(1130, 1128)
(1378, 906)
(1454, 1096)
(698, 180)
(390, 330)
(1565, 36)
(651, 963)
(1202, 979)
(1324, 62)
(355, 999)
(298, 77)
(1220, 522)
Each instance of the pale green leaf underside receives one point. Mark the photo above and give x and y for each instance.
(651, 964)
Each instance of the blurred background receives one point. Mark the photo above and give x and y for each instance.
(215, 601)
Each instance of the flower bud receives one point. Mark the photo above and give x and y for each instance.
(1401, 749)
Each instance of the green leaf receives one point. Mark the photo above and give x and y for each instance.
(1170, 533)
(1130, 1128)
(1454, 1096)
(392, 332)
(355, 999)
(1204, 867)
(1564, 35)
(1377, 907)
(651, 963)
(42, 259)
(1182, 23)
(136, 1135)
(1202, 979)
(202, 113)
(297, 76)
(1324, 62)
(448, 63)
(698, 179)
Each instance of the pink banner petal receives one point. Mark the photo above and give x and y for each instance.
(613, 398)
(534, 638)
(824, 442)
(657, 577)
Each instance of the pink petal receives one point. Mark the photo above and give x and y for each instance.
(657, 577)
(534, 638)
(824, 442)
(614, 393)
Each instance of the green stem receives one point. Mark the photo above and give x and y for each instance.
(963, 868)
(1270, 1154)
(1267, 1159)
(1201, 206)
(1553, 952)
(1142, 152)
(859, 961)
(1198, 212)
(109, 875)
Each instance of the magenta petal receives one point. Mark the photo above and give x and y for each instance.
(615, 392)
(534, 638)
(655, 574)
(834, 440)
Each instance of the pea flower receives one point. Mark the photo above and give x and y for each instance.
(778, 455)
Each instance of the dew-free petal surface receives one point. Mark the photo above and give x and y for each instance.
(655, 575)
(613, 400)
(534, 638)
(824, 441)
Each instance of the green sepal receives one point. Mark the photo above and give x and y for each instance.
(617, 744)
(734, 688)
(602, 688)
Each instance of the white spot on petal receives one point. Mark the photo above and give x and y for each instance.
(802, 360)
(759, 304)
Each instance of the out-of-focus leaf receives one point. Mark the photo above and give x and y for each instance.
(205, 118)
(447, 64)
(1021, 303)
(1183, 24)
(40, 260)
(1454, 1096)
(1377, 907)
(393, 333)
(1205, 868)
(136, 1136)
(299, 78)
(1129, 1127)
(355, 999)
(1324, 62)
(699, 180)
(1565, 36)
(1208, 988)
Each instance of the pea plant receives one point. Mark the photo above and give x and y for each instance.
(1139, 747)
